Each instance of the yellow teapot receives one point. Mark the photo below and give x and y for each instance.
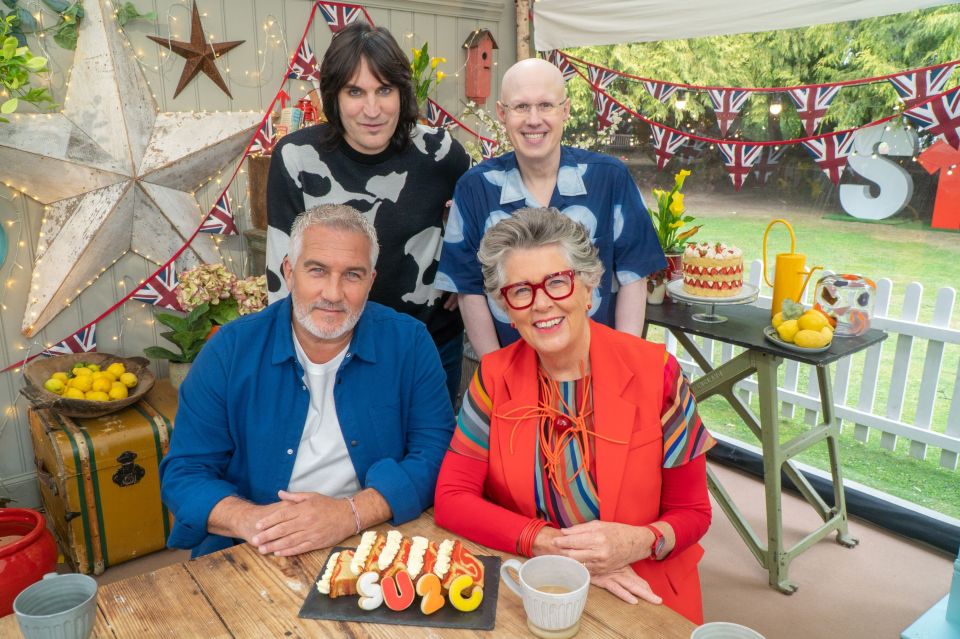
(788, 280)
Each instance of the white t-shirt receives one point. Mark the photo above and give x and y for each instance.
(323, 464)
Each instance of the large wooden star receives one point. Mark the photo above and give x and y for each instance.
(116, 175)
(199, 54)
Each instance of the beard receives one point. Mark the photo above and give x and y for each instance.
(302, 314)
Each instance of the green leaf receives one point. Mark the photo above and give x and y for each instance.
(57, 5)
(128, 12)
(9, 48)
(10, 3)
(28, 24)
(175, 322)
(66, 35)
(36, 64)
(225, 311)
(158, 352)
(9, 106)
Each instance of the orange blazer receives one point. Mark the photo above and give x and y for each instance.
(627, 375)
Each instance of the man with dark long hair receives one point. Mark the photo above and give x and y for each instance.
(373, 155)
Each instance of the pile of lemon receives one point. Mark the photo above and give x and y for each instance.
(87, 381)
(811, 330)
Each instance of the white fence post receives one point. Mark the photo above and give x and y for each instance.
(901, 362)
(932, 366)
(871, 365)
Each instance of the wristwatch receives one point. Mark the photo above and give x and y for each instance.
(659, 541)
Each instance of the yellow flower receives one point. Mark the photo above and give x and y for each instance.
(657, 193)
(440, 76)
(676, 204)
(677, 224)
(681, 176)
(435, 61)
(416, 55)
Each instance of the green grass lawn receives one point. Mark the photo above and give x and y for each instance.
(903, 253)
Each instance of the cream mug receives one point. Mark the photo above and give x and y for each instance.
(554, 591)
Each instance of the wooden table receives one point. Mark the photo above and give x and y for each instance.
(744, 327)
(240, 593)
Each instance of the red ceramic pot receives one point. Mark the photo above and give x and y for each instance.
(27, 553)
(674, 266)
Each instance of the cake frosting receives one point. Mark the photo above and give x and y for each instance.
(443, 558)
(712, 270)
(390, 549)
(418, 547)
(324, 584)
(363, 550)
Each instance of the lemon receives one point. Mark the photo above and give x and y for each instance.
(129, 380)
(94, 368)
(787, 330)
(777, 319)
(96, 396)
(83, 383)
(61, 376)
(812, 321)
(101, 385)
(73, 393)
(116, 369)
(118, 391)
(81, 370)
(827, 333)
(54, 386)
(809, 339)
(108, 375)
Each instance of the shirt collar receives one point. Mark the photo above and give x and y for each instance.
(569, 179)
(362, 343)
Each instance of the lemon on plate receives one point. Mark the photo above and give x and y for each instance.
(129, 380)
(787, 330)
(96, 396)
(807, 338)
(813, 320)
(73, 393)
(63, 377)
(116, 369)
(54, 385)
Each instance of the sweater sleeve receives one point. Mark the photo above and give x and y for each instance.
(685, 503)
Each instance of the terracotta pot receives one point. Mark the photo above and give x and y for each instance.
(27, 552)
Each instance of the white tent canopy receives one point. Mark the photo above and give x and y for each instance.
(559, 24)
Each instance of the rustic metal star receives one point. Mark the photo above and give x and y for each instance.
(116, 175)
(199, 54)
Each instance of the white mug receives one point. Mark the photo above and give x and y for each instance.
(724, 630)
(554, 591)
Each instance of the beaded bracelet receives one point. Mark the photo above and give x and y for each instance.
(356, 515)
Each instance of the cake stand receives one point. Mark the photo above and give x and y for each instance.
(746, 295)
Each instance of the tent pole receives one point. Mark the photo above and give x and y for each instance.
(523, 29)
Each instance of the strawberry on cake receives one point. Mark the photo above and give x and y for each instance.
(712, 270)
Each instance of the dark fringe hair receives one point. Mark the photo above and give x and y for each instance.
(386, 61)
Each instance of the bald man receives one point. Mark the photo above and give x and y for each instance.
(591, 188)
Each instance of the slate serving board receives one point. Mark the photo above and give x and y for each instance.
(317, 606)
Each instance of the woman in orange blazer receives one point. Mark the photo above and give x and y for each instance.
(577, 439)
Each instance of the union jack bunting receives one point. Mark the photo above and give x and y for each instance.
(488, 148)
(665, 144)
(606, 108)
(264, 140)
(600, 78)
(220, 218)
(437, 117)
(766, 167)
(830, 152)
(691, 151)
(940, 117)
(727, 104)
(659, 90)
(560, 61)
(812, 104)
(304, 65)
(739, 159)
(160, 289)
(84, 341)
(339, 15)
(919, 85)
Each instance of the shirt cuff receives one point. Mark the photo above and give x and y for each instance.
(388, 478)
(190, 519)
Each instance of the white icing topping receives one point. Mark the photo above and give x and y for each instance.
(443, 558)
(363, 551)
(390, 549)
(712, 251)
(418, 548)
(323, 586)
(371, 593)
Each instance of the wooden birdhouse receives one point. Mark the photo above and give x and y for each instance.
(479, 45)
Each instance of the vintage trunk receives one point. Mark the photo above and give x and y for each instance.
(99, 479)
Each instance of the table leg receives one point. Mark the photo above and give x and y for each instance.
(833, 449)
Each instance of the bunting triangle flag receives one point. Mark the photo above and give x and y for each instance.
(304, 65)
(739, 160)
(691, 151)
(83, 341)
(220, 219)
(488, 147)
(557, 59)
(338, 15)
(812, 104)
(264, 139)
(939, 117)
(727, 104)
(437, 116)
(160, 290)
(607, 108)
(600, 78)
(769, 159)
(917, 86)
(665, 144)
(830, 152)
(660, 90)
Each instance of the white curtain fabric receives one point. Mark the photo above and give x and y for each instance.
(570, 23)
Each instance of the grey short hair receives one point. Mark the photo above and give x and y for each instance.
(531, 228)
(333, 216)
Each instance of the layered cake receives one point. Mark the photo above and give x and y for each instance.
(712, 270)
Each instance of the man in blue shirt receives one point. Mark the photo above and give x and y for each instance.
(320, 416)
(593, 189)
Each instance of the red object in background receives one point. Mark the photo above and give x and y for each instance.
(946, 209)
(27, 555)
(674, 266)
(479, 45)
(309, 112)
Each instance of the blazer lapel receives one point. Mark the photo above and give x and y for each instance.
(519, 459)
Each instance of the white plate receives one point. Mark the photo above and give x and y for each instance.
(747, 294)
(771, 334)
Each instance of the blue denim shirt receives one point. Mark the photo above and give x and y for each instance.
(243, 407)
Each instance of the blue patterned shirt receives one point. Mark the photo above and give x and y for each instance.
(593, 189)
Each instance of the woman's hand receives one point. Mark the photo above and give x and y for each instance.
(604, 546)
(627, 585)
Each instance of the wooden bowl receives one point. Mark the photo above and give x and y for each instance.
(39, 370)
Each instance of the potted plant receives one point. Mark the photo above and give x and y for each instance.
(669, 220)
(17, 64)
(212, 296)
(424, 73)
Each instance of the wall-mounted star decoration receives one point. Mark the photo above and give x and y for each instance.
(116, 176)
(199, 54)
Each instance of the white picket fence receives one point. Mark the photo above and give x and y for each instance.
(904, 335)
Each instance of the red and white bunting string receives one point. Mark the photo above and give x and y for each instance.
(766, 167)
(439, 117)
(917, 86)
(660, 90)
(160, 290)
(666, 144)
(727, 104)
(812, 104)
(830, 152)
(220, 219)
(739, 160)
(939, 117)
(304, 65)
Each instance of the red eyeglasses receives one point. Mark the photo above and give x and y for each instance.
(521, 295)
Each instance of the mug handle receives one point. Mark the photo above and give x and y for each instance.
(507, 579)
